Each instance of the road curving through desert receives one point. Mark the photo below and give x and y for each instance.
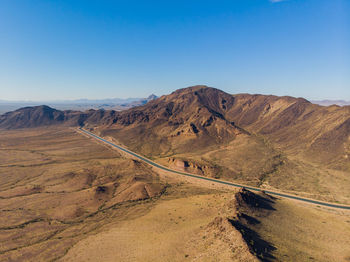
(150, 162)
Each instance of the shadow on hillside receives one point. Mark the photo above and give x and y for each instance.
(249, 219)
(247, 198)
(261, 248)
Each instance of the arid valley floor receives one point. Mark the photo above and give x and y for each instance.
(67, 197)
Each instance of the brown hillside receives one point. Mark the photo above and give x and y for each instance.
(189, 119)
(196, 117)
(37, 116)
(267, 141)
(298, 126)
(31, 117)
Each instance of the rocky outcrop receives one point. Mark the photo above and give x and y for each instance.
(194, 167)
(234, 227)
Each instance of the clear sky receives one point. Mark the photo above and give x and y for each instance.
(103, 49)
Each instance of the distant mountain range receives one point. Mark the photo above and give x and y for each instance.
(331, 102)
(79, 104)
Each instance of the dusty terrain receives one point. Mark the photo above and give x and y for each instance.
(57, 186)
(222, 227)
(66, 197)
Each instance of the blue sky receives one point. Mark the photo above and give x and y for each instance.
(102, 49)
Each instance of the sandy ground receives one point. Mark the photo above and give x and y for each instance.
(304, 232)
(160, 235)
(50, 211)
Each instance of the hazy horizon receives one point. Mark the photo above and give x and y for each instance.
(83, 99)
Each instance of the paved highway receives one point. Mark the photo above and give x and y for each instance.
(150, 162)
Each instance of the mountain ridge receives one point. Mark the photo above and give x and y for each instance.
(199, 116)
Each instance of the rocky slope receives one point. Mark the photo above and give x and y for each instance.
(234, 227)
(189, 119)
(321, 133)
(196, 118)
